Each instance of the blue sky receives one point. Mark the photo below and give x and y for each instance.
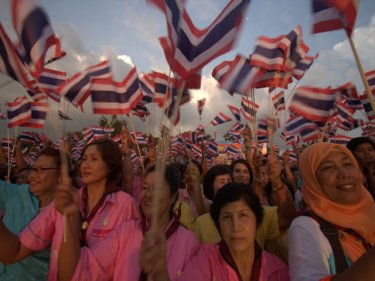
(128, 31)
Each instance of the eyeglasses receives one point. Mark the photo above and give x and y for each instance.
(42, 170)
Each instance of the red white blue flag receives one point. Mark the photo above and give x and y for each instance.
(35, 33)
(39, 110)
(49, 80)
(279, 101)
(18, 112)
(249, 109)
(221, 118)
(235, 111)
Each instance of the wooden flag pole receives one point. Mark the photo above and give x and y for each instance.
(362, 73)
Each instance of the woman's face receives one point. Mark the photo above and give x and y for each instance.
(220, 181)
(365, 153)
(339, 179)
(44, 176)
(237, 226)
(93, 168)
(166, 200)
(241, 173)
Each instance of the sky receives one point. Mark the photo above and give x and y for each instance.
(127, 32)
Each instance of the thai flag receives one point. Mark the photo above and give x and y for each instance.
(64, 116)
(220, 70)
(147, 87)
(262, 127)
(49, 80)
(26, 137)
(240, 77)
(350, 124)
(140, 111)
(302, 66)
(237, 127)
(221, 118)
(279, 101)
(235, 111)
(76, 89)
(340, 139)
(334, 14)
(310, 135)
(38, 118)
(231, 151)
(110, 97)
(273, 79)
(349, 92)
(10, 61)
(297, 124)
(7, 144)
(314, 103)
(88, 135)
(343, 110)
(249, 109)
(370, 76)
(292, 140)
(201, 104)
(35, 33)
(187, 48)
(367, 106)
(173, 109)
(162, 87)
(296, 49)
(211, 148)
(40, 138)
(18, 112)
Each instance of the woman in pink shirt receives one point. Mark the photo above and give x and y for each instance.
(236, 212)
(117, 256)
(102, 206)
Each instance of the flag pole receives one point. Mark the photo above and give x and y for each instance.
(362, 73)
(255, 134)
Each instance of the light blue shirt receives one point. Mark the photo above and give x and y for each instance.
(20, 207)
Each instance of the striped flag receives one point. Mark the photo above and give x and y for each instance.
(221, 118)
(249, 109)
(10, 61)
(35, 33)
(296, 124)
(279, 101)
(140, 111)
(64, 116)
(18, 112)
(367, 106)
(49, 80)
(147, 88)
(38, 118)
(302, 66)
(111, 97)
(235, 111)
(201, 104)
(313, 103)
(370, 76)
(334, 14)
(340, 139)
(76, 89)
(187, 48)
(240, 77)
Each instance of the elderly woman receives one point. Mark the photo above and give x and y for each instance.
(21, 203)
(102, 206)
(117, 256)
(338, 226)
(237, 213)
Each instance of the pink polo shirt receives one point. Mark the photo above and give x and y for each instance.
(117, 257)
(209, 265)
(48, 226)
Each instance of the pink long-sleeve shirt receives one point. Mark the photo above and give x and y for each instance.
(117, 257)
(48, 226)
(209, 265)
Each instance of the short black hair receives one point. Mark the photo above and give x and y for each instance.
(172, 177)
(209, 178)
(355, 142)
(242, 161)
(232, 192)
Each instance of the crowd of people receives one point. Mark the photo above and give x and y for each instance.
(257, 218)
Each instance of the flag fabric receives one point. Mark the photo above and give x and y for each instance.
(18, 112)
(370, 76)
(187, 48)
(38, 118)
(76, 89)
(349, 93)
(273, 79)
(201, 104)
(221, 118)
(235, 111)
(49, 80)
(35, 33)
(340, 139)
(221, 69)
(302, 66)
(140, 111)
(367, 106)
(279, 101)
(147, 87)
(111, 97)
(313, 103)
(298, 123)
(240, 77)
(11, 63)
(26, 137)
(249, 109)
(334, 14)
(64, 116)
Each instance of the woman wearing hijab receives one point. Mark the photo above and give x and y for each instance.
(338, 226)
